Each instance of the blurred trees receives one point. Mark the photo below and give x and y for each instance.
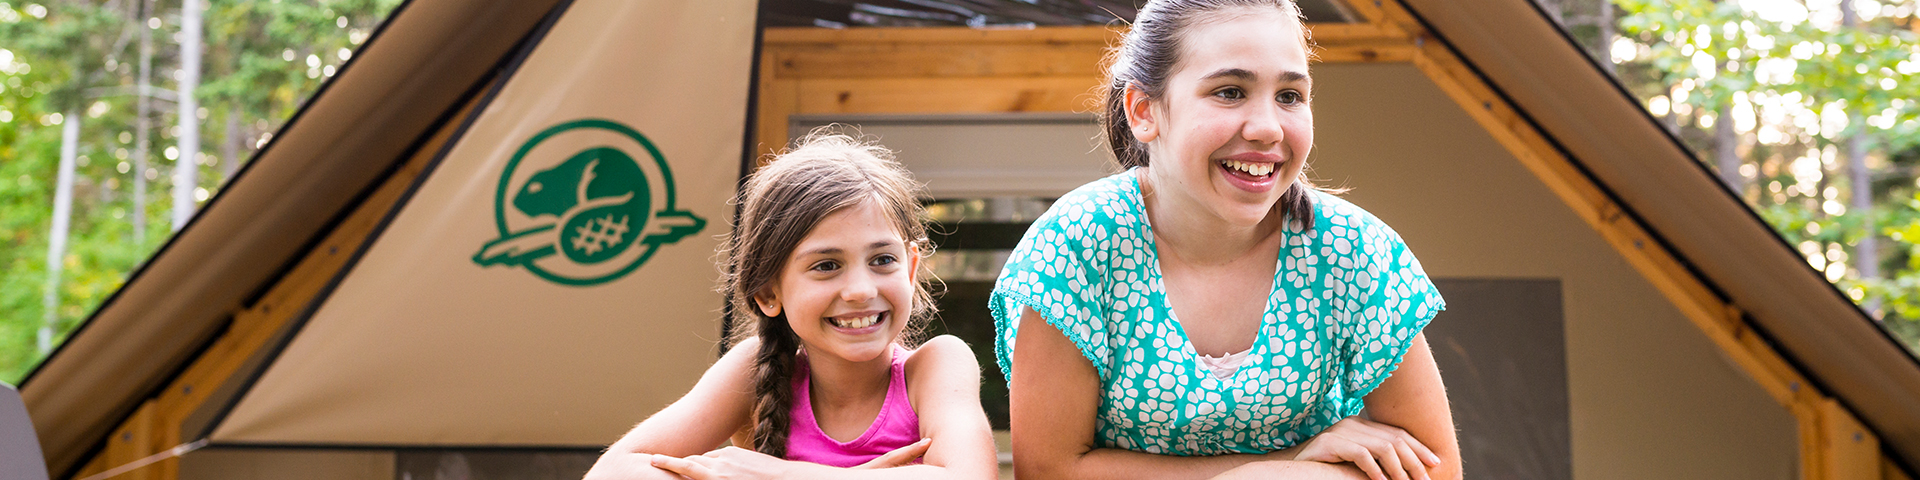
(80, 63)
(1805, 110)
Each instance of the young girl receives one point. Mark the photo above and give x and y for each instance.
(1208, 313)
(824, 272)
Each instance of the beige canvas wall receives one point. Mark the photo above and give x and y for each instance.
(268, 464)
(1651, 397)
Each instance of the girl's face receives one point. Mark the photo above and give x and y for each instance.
(1232, 131)
(847, 288)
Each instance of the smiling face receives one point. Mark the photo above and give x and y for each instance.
(847, 289)
(1232, 130)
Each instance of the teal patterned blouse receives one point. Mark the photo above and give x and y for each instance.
(1347, 300)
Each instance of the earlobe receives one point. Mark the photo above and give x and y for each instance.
(1140, 115)
(768, 302)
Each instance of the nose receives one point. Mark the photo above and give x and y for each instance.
(859, 288)
(1263, 124)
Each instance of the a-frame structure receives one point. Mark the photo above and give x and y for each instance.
(298, 313)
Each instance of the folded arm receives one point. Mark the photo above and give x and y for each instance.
(1055, 396)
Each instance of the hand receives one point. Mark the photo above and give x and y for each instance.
(1376, 448)
(726, 463)
(899, 457)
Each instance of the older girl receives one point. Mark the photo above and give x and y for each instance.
(824, 271)
(1208, 312)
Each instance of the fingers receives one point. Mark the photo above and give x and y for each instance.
(1398, 451)
(1363, 459)
(1415, 467)
(900, 456)
(684, 467)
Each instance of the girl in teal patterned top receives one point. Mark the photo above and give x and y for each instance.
(1207, 311)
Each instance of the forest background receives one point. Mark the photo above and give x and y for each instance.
(119, 118)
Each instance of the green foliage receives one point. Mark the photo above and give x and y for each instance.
(1802, 92)
(75, 55)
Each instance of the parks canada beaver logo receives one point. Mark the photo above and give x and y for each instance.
(575, 207)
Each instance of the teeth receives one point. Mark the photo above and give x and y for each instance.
(1258, 169)
(856, 322)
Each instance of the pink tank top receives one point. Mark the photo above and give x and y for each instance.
(896, 426)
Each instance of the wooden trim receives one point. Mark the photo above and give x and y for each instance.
(1892, 471)
(254, 328)
(1047, 69)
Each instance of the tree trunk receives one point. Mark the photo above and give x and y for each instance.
(1726, 155)
(57, 238)
(186, 169)
(143, 124)
(230, 149)
(1866, 253)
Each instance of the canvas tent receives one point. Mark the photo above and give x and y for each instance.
(422, 269)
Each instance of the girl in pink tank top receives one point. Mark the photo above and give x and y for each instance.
(823, 273)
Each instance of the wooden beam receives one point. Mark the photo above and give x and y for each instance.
(964, 70)
(1892, 471)
(1848, 449)
(160, 419)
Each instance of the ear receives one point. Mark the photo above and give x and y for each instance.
(768, 301)
(1140, 115)
(913, 262)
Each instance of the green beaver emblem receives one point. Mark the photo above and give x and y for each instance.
(597, 208)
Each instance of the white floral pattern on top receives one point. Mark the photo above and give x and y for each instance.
(1346, 302)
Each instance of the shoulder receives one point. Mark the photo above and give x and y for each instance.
(1109, 201)
(1334, 211)
(736, 366)
(1344, 229)
(941, 356)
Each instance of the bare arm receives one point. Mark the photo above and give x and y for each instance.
(1414, 399)
(1055, 397)
(943, 381)
(1410, 420)
(718, 406)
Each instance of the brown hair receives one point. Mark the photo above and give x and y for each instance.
(1146, 57)
(779, 204)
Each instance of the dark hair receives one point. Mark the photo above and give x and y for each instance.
(779, 204)
(1146, 57)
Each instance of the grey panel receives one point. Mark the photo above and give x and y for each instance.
(487, 465)
(1501, 348)
(20, 457)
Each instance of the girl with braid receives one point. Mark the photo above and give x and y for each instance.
(824, 272)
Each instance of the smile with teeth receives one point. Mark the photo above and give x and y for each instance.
(1257, 169)
(855, 322)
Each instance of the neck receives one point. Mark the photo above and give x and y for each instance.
(1196, 235)
(838, 382)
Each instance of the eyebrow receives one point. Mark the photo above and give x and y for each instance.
(1248, 76)
(833, 251)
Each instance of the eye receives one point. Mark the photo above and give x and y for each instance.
(1290, 97)
(884, 260)
(1230, 93)
(825, 266)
